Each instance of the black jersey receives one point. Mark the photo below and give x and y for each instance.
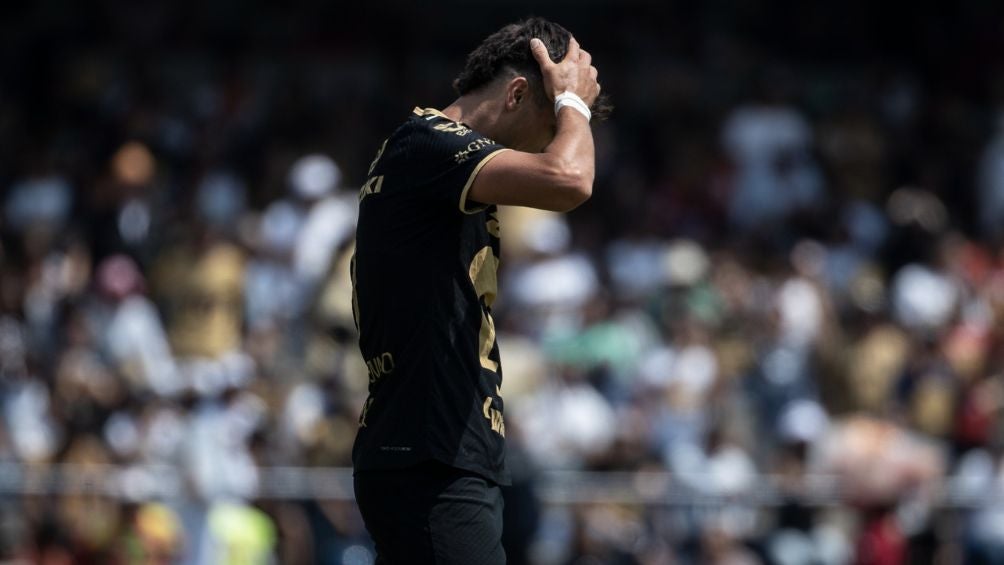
(424, 279)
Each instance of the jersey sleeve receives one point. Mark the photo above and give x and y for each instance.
(452, 156)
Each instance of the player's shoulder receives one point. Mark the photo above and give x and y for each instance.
(436, 123)
(439, 135)
(435, 131)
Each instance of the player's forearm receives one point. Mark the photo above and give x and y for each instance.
(573, 158)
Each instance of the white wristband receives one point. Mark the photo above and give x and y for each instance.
(568, 98)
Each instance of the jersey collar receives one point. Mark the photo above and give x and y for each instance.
(430, 112)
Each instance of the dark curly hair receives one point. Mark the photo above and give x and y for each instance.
(507, 51)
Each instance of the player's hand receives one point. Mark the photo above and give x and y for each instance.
(575, 73)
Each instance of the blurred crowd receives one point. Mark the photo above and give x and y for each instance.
(789, 271)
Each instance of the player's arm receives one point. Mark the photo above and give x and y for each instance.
(561, 177)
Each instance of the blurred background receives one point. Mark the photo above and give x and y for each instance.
(774, 335)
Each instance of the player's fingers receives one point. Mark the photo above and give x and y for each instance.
(539, 51)
(573, 50)
(593, 73)
(585, 59)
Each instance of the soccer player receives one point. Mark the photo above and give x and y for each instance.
(429, 454)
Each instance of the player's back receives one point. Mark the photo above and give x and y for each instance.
(424, 279)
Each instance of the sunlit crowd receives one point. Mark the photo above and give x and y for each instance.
(787, 284)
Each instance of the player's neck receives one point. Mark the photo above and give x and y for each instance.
(479, 112)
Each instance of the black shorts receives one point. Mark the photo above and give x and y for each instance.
(431, 513)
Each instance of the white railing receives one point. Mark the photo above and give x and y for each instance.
(553, 487)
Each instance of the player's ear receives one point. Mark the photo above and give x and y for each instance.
(517, 93)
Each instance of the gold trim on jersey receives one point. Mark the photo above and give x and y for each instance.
(431, 112)
(470, 181)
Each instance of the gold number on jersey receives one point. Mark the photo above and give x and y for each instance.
(483, 276)
(355, 297)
